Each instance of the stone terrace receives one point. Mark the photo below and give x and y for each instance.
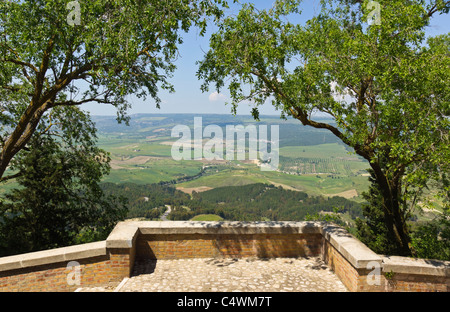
(229, 275)
(221, 256)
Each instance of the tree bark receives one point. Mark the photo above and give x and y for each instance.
(21, 134)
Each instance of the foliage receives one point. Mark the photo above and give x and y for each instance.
(371, 229)
(48, 67)
(256, 202)
(58, 201)
(385, 84)
(333, 217)
(118, 48)
(432, 240)
(146, 200)
(252, 202)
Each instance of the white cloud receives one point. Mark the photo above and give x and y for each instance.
(215, 96)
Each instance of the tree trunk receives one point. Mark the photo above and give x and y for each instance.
(390, 188)
(21, 134)
(394, 217)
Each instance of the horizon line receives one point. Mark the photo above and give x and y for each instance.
(222, 114)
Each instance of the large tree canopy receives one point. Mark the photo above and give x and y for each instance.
(385, 84)
(112, 49)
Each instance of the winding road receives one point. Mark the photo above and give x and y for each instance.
(166, 213)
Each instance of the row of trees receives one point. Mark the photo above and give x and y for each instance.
(311, 165)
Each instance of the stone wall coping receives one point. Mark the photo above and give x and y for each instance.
(408, 265)
(227, 227)
(57, 255)
(123, 235)
(358, 254)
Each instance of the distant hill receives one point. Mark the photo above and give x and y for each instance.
(252, 202)
(292, 132)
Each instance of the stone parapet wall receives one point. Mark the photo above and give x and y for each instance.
(361, 270)
(179, 246)
(100, 263)
(352, 261)
(169, 240)
(64, 269)
(415, 275)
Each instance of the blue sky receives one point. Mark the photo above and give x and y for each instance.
(188, 97)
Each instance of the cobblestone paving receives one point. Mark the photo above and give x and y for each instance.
(226, 275)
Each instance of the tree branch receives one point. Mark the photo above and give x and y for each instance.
(74, 103)
(435, 8)
(16, 175)
(40, 77)
(21, 63)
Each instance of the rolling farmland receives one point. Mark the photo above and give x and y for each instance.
(141, 153)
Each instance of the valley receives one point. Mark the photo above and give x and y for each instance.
(311, 162)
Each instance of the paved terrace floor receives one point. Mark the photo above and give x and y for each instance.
(227, 275)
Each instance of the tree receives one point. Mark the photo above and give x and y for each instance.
(372, 230)
(58, 201)
(102, 51)
(384, 84)
(432, 240)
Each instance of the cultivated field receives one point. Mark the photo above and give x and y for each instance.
(141, 153)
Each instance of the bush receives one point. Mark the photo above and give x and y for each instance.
(432, 240)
